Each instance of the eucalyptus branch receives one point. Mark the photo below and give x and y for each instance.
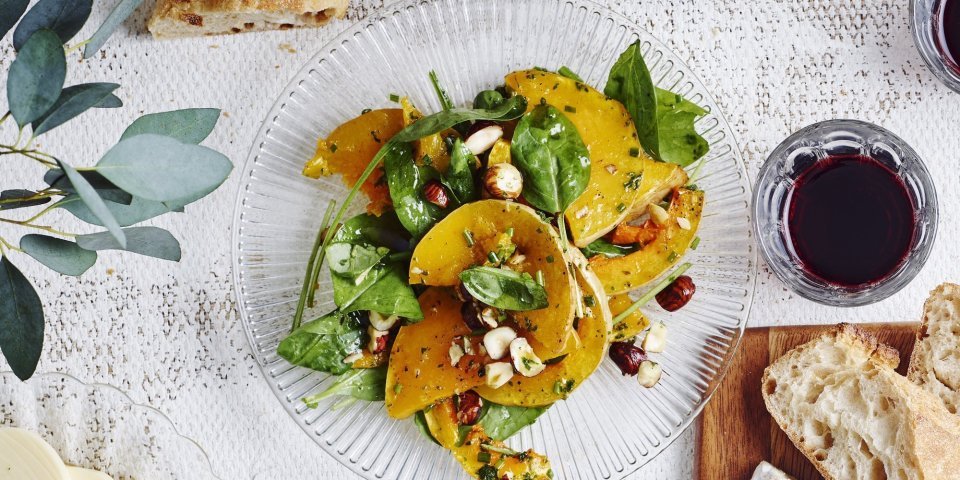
(5, 117)
(24, 223)
(5, 244)
(43, 212)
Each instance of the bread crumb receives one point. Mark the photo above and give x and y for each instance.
(287, 48)
(110, 271)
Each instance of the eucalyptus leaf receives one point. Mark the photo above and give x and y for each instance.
(460, 174)
(59, 255)
(323, 343)
(36, 77)
(94, 203)
(191, 125)
(21, 321)
(630, 83)
(161, 168)
(72, 102)
(137, 211)
(120, 13)
(106, 189)
(504, 289)
(18, 198)
(363, 384)
(10, 13)
(406, 180)
(150, 241)
(555, 163)
(501, 422)
(112, 101)
(64, 17)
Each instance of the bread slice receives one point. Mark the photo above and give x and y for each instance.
(841, 402)
(935, 363)
(185, 18)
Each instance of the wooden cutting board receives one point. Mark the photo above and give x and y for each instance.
(737, 431)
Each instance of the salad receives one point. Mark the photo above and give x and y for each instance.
(491, 273)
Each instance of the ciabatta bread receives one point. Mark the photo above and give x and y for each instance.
(185, 18)
(841, 402)
(935, 363)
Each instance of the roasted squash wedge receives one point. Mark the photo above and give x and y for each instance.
(622, 274)
(558, 380)
(419, 371)
(616, 156)
(430, 146)
(350, 148)
(631, 325)
(444, 252)
(500, 153)
(466, 448)
(659, 179)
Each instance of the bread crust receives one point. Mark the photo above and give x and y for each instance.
(182, 18)
(917, 364)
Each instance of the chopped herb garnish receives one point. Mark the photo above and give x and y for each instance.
(570, 109)
(695, 243)
(373, 133)
(634, 152)
(487, 472)
(394, 97)
(483, 457)
(549, 258)
(633, 181)
(540, 279)
(510, 232)
(468, 236)
(333, 148)
(672, 257)
(693, 187)
(492, 256)
(589, 301)
(621, 207)
(365, 111)
(397, 388)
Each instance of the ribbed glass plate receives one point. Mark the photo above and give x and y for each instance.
(97, 426)
(610, 426)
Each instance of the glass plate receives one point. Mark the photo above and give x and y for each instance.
(611, 426)
(97, 426)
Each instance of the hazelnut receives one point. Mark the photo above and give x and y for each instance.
(627, 356)
(435, 193)
(483, 139)
(524, 359)
(380, 322)
(498, 374)
(497, 341)
(470, 314)
(489, 316)
(353, 357)
(503, 181)
(649, 373)
(378, 340)
(658, 214)
(656, 339)
(456, 353)
(677, 294)
(469, 405)
(683, 223)
(462, 293)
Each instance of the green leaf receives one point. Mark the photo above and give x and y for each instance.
(504, 289)
(116, 17)
(354, 261)
(18, 198)
(72, 102)
(59, 255)
(107, 190)
(64, 17)
(460, 174)
(406, 180)
(567, 72)
(555, 163)
(322, 344)
(36, 77)
(137, 211)
(679, 141)
(389, 293)
(161, 168)
(440, 121)
(112, 101)
(607, 249)
(442, 94)
(501, 422)
(21, 321)
(488, 99)
(150, 241)
(10, 13)
(192, 125)
(368, 384)
(420, 420)
(94, 203)
(382, 231)
(630, 83)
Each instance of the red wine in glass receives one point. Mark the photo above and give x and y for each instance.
(947, 31)
(850, 220)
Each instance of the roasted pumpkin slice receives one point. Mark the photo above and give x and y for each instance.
(616, 157)
(350, 148)
(467, 448)
(659, 179)
(419, 371)
(631, 325)
(466, 237)
(431, 146)
(500, 153)
(622, 274)
(558, 380)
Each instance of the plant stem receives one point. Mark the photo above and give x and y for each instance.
(562, 225)
(645, 299)
(318, 265)
(38, 227)
(308, 282)
(4, 243)
(5, 117)
(73, 48)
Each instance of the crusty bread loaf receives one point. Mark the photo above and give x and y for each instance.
(184, 18)
(935, 363)
(841, 402)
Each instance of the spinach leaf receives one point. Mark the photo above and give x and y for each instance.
(679, 141)
(630, 83)
(323, 343)
(459, 178)
(511, 109)
(488, 99)
(406, 180)
(607, 249)
(567, 72)
(363, 384)
(548, 151)
(420, 419)
(505, 289)
(382, 231)
(384, 290)
(501, 422)
(354, 261)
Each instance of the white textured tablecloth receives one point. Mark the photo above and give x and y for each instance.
(169, 334)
